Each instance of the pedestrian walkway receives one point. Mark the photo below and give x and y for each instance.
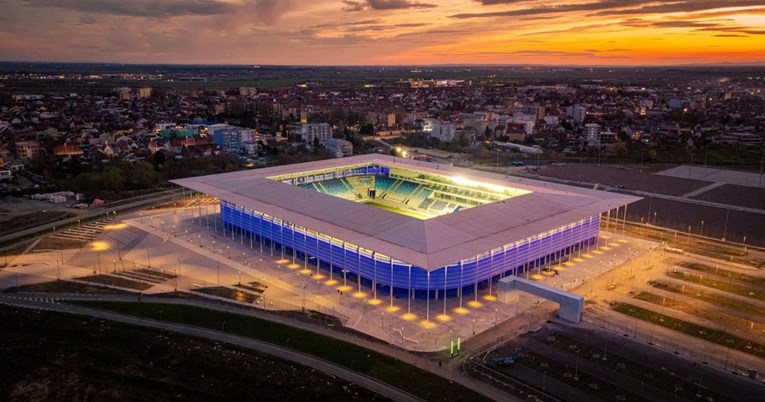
(85, 232)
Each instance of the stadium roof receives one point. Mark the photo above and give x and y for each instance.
(430, 243)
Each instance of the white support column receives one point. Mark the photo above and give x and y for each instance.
(409, 298)
(446, 272)
(462, 285)
(427, 300)
(391, 282)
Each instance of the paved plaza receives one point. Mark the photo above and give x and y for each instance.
(190, 242)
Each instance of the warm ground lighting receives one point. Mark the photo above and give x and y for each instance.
(359, 295)
(282, 261)
(461, 310)
(537, 277)
(331, 282)
(303, 271)
(115, 226)
(443, 317)
(392, 309)
(490, 298)
(598, 252)
(427, 324)
(585, 255)
(408, 316)
(99, 246)
(318, 276)
(375, 302)
(474, 304)
(622, 241)
(344, 288)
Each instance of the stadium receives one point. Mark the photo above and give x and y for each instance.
(405, 228)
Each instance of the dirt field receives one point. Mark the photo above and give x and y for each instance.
(732, 194)
(618, 176)
(679, 215)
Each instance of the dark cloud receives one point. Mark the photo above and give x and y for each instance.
(611, 7)
(685, 6)
(495, 2)
(562, 8)
(88, 20)
(731, 36)
(353, 5)
(142, 8)
(359, 5)
(683, 24)
(713, 26)
(738, 30)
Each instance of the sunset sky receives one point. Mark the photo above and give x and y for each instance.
(384, 32)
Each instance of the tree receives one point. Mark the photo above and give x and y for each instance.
(111, 179)
(367, 129)
(84, 183)
(620, 150)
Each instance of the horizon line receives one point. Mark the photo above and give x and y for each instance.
(255, 65)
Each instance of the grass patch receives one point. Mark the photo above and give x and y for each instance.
(228, 293)
(158, 274)
(720, 319)
(51, 356)
(722, 301)
(115, 281)
(64, 287)
(385, 368)
(725, 273)
(660, 379)
(30, 220)
(715, 283)
(56, 243)
(712, 335)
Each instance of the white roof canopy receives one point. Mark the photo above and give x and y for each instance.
(430, 243)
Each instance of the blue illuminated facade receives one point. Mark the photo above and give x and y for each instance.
(376, 270)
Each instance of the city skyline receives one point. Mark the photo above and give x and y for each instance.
(385, 32)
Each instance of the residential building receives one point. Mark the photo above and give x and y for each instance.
(322, 131)
(339, 148)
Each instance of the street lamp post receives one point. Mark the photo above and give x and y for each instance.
(303, 286)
